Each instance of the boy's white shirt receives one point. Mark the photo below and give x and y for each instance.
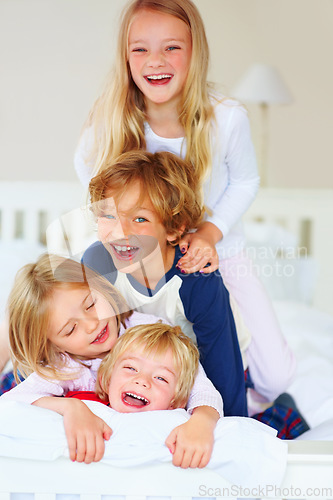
(36, 387)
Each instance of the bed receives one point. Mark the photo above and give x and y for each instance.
(290, 238)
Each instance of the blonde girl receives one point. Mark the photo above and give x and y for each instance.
(63, 319)
(158, 98)
(32, 304)
(120, 114)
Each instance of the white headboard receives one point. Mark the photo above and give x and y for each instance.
(307, 214)
(27, 208)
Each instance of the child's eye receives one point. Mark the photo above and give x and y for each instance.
(173, 47)
(107, 216)
(90, 301)
(162, 379)
(70, 331)
(128, 367)
(140, 219)
(139, 49)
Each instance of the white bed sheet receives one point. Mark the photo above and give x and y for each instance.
(246, 452)
(310, 334)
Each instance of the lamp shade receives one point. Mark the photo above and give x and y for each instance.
(262, 84)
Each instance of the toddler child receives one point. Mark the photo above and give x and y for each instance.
(151, 367)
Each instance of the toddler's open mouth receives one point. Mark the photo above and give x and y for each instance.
(132, 399)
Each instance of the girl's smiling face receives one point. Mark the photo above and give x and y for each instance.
(82, 322)
(159, 55)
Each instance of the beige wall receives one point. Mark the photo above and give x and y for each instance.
(56, 54)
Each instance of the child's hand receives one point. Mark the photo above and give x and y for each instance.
(191, 444)
(85, 433)
(199, 250)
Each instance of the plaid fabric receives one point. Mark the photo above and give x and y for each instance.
(288, 422)
(7, 382)
(285, 418)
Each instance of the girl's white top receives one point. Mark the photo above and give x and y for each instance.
(233, 183)
(36, 387)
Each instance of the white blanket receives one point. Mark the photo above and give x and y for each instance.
(246, 452)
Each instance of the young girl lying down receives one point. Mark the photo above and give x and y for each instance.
(63, 320)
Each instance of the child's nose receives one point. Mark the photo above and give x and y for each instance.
(91, 324)
(156, 58)
(120, 230)
(143, 381)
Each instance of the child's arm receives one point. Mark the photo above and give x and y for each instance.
(32, 388)
(35, 386)
(204, 393)
(85, 431)
(199, 249)
(207, 306)
(233, 130)
(192, 443)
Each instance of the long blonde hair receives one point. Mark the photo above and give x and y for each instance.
(29, 312)
(154, 339)
(118, 116)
